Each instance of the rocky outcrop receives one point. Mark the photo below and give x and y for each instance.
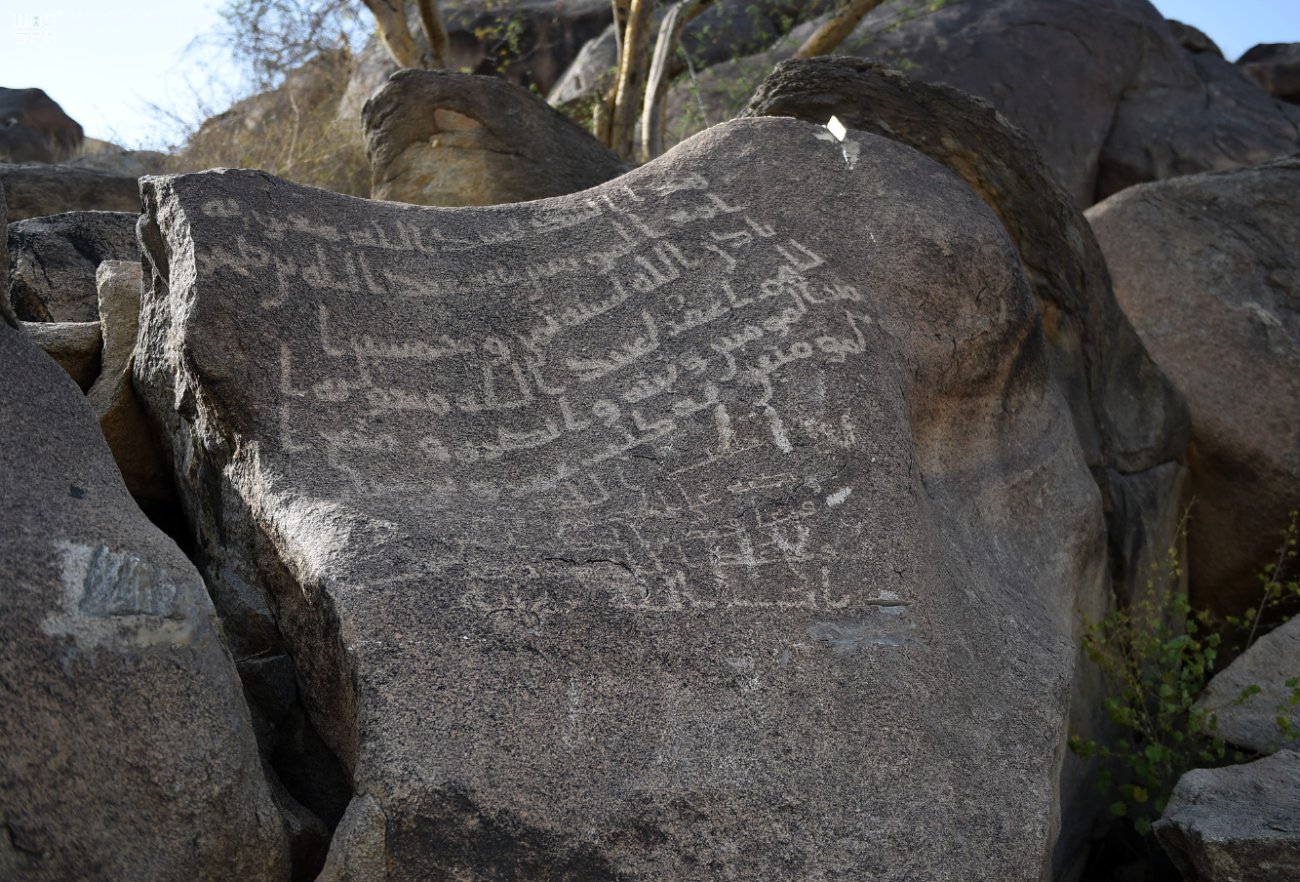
(1236, 824)
(1131, 423)
(108, 157)
(690, 526)
(34, 128)
(128, 752)
(1276, 67)
(1113, 99)
(37, 190)
(440, 138)
(74, 346)
(53, 262)
(112, 398)
(1193, 39)
(1266, 666)
(1207, 270)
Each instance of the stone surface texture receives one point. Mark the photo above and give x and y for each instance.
(1192, 38)
(35, 128)
(1207, 269)
(1131, 423)
(74, 346)
(1113, 99)
(53, 262)
(128, 752)
(690, 527)
(36, 190)
(442, 138)
(1276, 67)
(1268, 664)
(112, 398)
(1236, 824)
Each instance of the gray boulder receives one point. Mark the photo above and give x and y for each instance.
(128, 752)
(1131, 423)
(441, 138)
(53, 262)
(1276, 67)
(700, 525)
(74, 346)
(1093, 85)
(1192, 38)
(1267, 665)
(34, 128)
(1236, 824)
(1207, 270)
(37, 190)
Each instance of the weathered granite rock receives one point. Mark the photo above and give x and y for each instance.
(1236, 824)
(1268, 664)
(1192, 38)
(1276, 67)
(1128, 417)
(75, 346)
(37, 190)
(115, 160)
(442, 138)
(127, 747)
(34, 128)
(1206, 267)
(6, 309)
(112, 398)
(690, 527)
(1131, 423)
(1109, 80)
(53, 262)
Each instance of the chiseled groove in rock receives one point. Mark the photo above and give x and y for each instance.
(325, 681)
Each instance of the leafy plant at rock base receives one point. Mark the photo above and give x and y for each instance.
(1158, 653)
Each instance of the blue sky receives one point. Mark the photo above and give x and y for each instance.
(106, 61)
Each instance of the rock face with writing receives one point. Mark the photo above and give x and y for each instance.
(689, 527)
(128, 750)
(443, 138)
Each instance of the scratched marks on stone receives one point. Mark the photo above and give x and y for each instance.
(648, 368)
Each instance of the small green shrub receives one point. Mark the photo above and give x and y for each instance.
(1157, 654)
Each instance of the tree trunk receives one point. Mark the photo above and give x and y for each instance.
(436, 31)
(390, 16)
(833, 32)
(629, 90)
(670, 34)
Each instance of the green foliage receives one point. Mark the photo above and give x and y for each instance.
(1157, 654)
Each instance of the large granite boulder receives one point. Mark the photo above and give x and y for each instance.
(1236, 824)
(695, 526)
(35, 190)
(53, 262)
(1276, 67)
(34, 128)
(442, 138)
(1266, 666)
(128, 752)
(1103, 89)
(1192, 38)
(1131, 424)
(1207, 269)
